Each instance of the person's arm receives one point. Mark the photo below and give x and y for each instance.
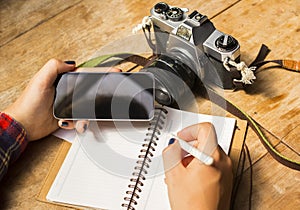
(34, 108)
(30, 117)
(191, 184)
(12, 141)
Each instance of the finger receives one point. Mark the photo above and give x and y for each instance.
(204, 133)
(220, 156)
(81, 126)
(207, 138)
(172, 158)
(99, 69)
(189, 133)
(221, 151)
(66, 124)
(48, 73)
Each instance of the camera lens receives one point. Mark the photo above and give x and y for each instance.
(173, 79)
(161, 95)
(161, 7)
(175, 14)
(226, 43)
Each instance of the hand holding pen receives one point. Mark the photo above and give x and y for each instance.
(193, 184)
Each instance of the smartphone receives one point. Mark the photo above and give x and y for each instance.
(104, 96)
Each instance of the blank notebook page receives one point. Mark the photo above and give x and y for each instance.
(100, 163)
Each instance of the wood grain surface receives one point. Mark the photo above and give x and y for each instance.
(32, 32)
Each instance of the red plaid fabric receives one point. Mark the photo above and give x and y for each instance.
(12, 142)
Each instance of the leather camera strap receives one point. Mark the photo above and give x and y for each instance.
(259, 61)
(221, 101)
(257, 128)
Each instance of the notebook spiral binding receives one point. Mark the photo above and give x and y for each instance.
(144, 161)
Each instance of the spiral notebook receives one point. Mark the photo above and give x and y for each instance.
(118, 165)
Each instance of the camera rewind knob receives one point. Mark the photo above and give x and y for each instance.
(226, 43)
(161, 7)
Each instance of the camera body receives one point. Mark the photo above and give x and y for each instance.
(190, 47)
(194, 28)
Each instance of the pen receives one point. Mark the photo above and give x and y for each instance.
(204, 158)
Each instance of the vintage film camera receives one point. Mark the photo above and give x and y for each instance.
(190, 50)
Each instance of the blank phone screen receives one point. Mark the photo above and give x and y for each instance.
(105, 96)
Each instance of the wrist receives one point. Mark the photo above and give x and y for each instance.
(15, 116)
(13, 131)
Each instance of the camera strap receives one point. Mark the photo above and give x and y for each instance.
(248, 73)
(258, 62)
(221, 101)
(256, 127)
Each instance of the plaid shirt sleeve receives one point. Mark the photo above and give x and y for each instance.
(12, 142)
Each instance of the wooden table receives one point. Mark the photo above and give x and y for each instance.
(34, 31)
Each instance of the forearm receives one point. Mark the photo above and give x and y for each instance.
(12, 142)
